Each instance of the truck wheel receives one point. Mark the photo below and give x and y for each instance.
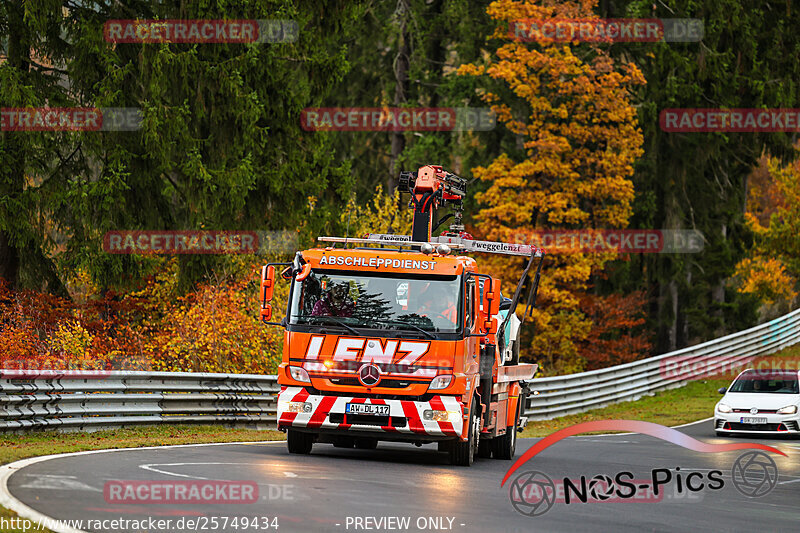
(298, 442)
(485, 448)
(366, 443)
(463, 453)
(506, 445)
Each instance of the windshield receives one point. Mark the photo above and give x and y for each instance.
(354, 300)
(775, 384)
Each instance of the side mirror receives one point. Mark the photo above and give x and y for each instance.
(491, 297)
(487, 296)
(267, 284)
(722, 390)
(495, 297)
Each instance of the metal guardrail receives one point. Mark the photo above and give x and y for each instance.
(88, 400)
(552, 397)
(83, 401)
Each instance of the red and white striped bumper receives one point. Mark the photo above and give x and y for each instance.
(405, 417)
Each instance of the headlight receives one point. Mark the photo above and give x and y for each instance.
(296, 407)
(299, 374)
(788, 410)
(441, 416)
(440, 382)
(723, 408)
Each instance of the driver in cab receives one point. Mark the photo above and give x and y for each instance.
(438, 304)
(335, 302)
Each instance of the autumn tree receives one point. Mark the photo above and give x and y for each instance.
(220, 144)
(772, 269)
(568, 106)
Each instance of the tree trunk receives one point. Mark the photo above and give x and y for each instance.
(401, 66)
(12, 177)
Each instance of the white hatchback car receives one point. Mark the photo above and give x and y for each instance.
(763, 401)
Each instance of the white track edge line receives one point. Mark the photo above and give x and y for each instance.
(8, 501)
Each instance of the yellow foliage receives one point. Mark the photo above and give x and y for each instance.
(384, 213)
(765, 278)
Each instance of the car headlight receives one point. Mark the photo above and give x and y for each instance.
(788, 410)
(299, 374)
(724, 408)
(440, 382)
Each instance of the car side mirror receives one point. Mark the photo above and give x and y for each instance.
(722, 390)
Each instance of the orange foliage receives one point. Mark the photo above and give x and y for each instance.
(615, 337)
(581, 138)
(214, 328)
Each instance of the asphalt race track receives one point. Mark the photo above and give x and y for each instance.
(332, 488)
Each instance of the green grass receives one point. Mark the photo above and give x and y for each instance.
(16, 447)
(694, 401)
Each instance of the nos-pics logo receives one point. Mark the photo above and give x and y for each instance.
(533, 493)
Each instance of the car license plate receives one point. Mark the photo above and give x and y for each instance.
(749, 420)
(367, 409)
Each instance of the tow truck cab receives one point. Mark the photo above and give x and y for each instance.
(398, 345)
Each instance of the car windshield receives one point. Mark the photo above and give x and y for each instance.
(353, 300)
(770, 383)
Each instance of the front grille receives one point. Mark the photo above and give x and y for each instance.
(382, 396)
(767, 411)
(368, 420)
(384, 383)
(737, 426)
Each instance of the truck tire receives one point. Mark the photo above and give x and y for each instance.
(463, 453)
(505, 446)
(485, 448)
(300, 443)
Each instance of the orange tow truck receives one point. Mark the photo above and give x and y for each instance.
(401, 338)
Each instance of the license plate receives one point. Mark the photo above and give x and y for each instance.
(367, 409)
(749, 420)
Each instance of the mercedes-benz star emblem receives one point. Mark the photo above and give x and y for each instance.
(369, 375)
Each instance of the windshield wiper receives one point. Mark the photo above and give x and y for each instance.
(417, 328)
(351, 329)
